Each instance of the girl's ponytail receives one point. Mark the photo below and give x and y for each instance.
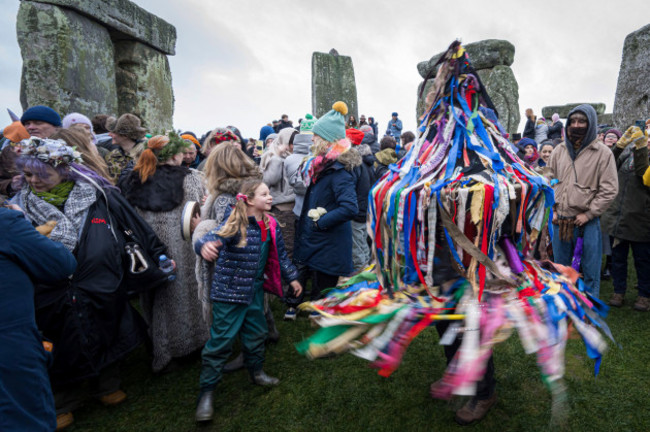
(238, 220)
(148, 160)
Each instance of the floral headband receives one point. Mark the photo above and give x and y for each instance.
(223, 135)
(50, 151)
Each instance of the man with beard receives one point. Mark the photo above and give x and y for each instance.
(587, 185)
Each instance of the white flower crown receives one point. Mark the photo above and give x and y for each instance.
(50, 151)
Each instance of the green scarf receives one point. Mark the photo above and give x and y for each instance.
(58, 195)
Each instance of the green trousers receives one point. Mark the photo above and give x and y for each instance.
(228, 321)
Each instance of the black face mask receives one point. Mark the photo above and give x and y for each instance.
(577, 134)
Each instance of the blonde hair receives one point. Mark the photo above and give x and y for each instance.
(238, 220)
(228, 162)
(320, 146)
(78, 137)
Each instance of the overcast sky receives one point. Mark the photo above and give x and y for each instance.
(246, 62)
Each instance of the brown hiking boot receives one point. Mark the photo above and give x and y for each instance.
(115, 398)
(642, 304)
(617, 300)
(64, 420)
(474, 410)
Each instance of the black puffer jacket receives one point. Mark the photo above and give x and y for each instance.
(555, 130)
(88, 318)
(529, 129)
(365, 174)
(628, 217)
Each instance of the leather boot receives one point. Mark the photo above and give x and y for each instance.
(235, 364)
(260, 378)
(63, 421)
(205, 408)
(474, 410)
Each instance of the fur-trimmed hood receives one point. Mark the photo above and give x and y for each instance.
(350, 159)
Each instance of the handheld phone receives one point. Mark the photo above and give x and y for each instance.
(640, 124)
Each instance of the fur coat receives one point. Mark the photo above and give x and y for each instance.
(176, 325)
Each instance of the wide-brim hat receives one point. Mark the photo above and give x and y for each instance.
(128, 125)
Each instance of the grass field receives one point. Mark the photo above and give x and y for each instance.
(343, 394)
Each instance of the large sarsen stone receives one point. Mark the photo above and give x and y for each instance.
(632, 101)
(126, 17)
(483, 54)
(144, 84)
(67, 61)
(502, 87)
(332, 79)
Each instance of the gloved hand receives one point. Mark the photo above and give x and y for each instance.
(315, 214)
(626, 138)
(639, 138)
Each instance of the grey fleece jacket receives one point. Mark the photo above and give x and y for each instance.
(301, 145)
(278, 183)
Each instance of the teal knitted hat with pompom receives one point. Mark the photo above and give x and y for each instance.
(331, 126)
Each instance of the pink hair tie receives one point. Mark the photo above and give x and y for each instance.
(241, 197)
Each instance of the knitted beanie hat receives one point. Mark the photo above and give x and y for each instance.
(42, 113)
(331, 126)
(367, 128)
(355, 136)
(76, 118)
(307, 124)
(192, 138)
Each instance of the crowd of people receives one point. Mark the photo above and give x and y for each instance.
(601, 196)
(93, 217)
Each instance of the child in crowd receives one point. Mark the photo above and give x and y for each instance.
(250, 259)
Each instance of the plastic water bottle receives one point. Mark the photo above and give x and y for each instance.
(167, 266)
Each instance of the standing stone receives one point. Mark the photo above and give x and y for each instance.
(632, 101)
(503, 90)
(67, 61)
(332, 79)
(422, 101)
(144, 84)
(491, 59)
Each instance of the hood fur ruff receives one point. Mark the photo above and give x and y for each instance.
(350, 159)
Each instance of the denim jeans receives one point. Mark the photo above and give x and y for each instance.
(592, 250)
(641, 255)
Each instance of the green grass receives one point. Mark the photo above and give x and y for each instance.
(344, 394)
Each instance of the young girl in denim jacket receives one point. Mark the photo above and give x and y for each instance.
(250, 259)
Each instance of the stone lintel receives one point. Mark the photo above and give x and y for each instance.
(125, 17)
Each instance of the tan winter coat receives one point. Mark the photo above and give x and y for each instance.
(588, 184)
